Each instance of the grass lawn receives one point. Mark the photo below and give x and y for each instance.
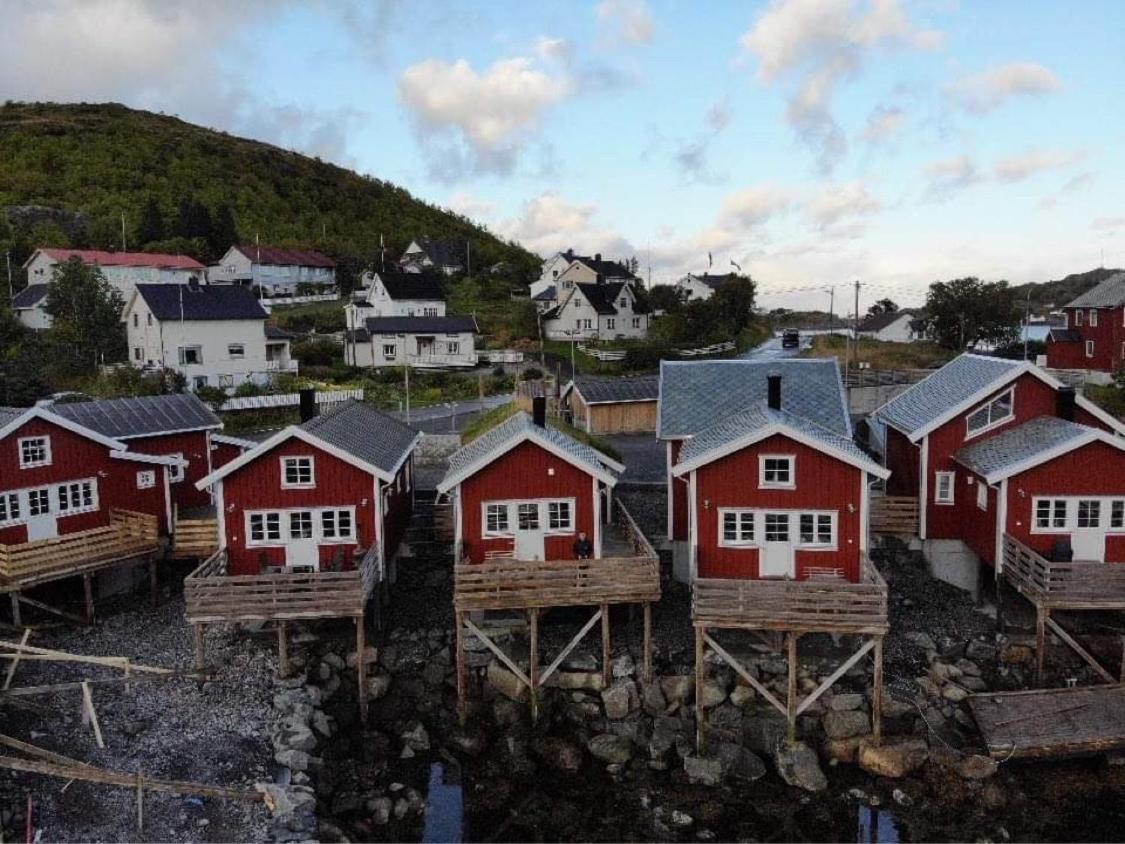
(487, 421)
(323, 316)
(881, 354)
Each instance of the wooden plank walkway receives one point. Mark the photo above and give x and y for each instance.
(1045, 723)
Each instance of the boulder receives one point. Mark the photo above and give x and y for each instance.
(416, 737)
(677, 688)
(559, 754)
(652, 699)
(623, 666)
(738, 762)
(378, 686)
(433, 674)
(468, 741)
(843, 750)
(976, 767)
(943, 672)
(505, 682)
(620, 699)
(798, 765)
(762, 733)
(981, 651)
(296, 760)
(742, 694)
(581, 680)
(846, 724)
(727, 717)
(611, 749)
(954, 693)
(703, 770)
(1016, 654)
(713, 694)
(845, 702)
(300, 738)
(922, 640)
(893, 759)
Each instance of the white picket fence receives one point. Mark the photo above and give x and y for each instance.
(268, 303)
(602, 354)
(324, 400)
(713, 349)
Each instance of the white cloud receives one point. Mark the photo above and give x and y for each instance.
(820, 44)
(692, 155)
(555, 49)
(756, 205)
(1023, 166)
(626, 20)
(489, 116)
(835, 209)
(993, 87)
(473, 207)
(949, 175)
(1108, 223)
(884, 123)
(548, 223)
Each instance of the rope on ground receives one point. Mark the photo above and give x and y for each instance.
(907, 692)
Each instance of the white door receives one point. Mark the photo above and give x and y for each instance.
(776, 558)
(302, 553)
(41, 522)
(530, 544)
(1087, 540)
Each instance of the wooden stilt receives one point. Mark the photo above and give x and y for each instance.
(91, 714)
(361, 667)
(282, 650)
(700, 679)
(462, 674)
(999, 605)
(1040, 642)
(607, 669)
(39, 605)
(877, 693)
(648, 642)
(153, 583)
(16, 622)
(533, 621)
(197, 636)
(14, 664)
(88, 588)
(791, 700)
(140, 802)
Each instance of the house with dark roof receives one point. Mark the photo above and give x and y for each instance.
(902, 326)
(445, 256)
(396, 292)
(702, 286)
(597, 310)
(1093, 337)
(982, 444)
(427, 342)
(606, 405)
(214, 335)
(274, 270)
(317, 496)
(764, 479)
(29, 306)
(565, 269)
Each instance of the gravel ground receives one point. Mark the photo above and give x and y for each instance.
(644, 458)
(206, 732)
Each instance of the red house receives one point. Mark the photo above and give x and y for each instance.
(1094, 336)
(767, 492)
(313, 494)
(526, 491)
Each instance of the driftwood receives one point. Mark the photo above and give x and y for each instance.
(51, 688)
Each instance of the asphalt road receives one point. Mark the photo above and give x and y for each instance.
(772, 350)
(450, 417)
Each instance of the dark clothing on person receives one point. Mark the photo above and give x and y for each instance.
(583, 549)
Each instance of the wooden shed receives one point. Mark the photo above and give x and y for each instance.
(600, 405)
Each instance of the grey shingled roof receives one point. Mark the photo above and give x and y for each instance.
(1009, 449)
(1108, 294)
(10, 414)
(30, 296)
(877, 322)
(747, 422)
(597, 390)
(547, 294)
(202, 302)
(140, 416)
(948, 387)
(420, 325)
(365, 432)
(696, 395)
(499, 439)
(1064, 335)
(413, 285)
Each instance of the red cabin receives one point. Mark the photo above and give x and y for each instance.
(1094, 335)
(769, 492)
(313, 494)
(526, 491)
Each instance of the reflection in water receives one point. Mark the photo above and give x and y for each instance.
(876, 825)
(444, 809)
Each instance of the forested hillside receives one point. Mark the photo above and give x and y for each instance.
(1055, 294)
(69, 172)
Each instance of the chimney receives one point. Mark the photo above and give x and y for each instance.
(597, 256)
(308, 403)
(1064, 402)
(539, 411)
(773, 392)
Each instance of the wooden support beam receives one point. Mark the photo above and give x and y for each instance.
(607, 650)
(700, 680)
(751, 680)
(648, 642)
(500, 655)
(15, 662)
(282, 650)
(197, 637)
(791, 699)
(140, 802)
(462, 671)
(570, 646)
(835, 675)
(88, 589)
(1041, 616)
(1081, 651)
(361, 667)
(877, 693)
(128, 679)
(71, 617)
(533, 662)
(16, 621)
(91, 713)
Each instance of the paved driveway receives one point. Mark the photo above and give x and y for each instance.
(643, 456)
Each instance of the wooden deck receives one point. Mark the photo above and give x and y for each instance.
(1051, 722)
(195, 534)
(894, 515)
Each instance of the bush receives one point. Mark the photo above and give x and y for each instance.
(214, 396)
(497, 371)
(249, 388)
(647, 356)
(318, 351)
(532, 373)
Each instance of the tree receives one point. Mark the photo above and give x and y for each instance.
(665, 297)
(965, 311)
(86, 315)
(883, 306)
(151, 226)
(224, 230)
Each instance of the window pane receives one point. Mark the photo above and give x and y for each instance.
(730, 527)
(300, 525)
(328, 524)
(777, 527)
(1089, 513)
(273, 525)
(824, 529)
(1043, 513)
(528, 516)
(1117, 514)
(808, 535)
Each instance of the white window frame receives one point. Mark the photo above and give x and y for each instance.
(568, 527)
(266, 541)
(1105, 503)
(1089, 348)
(44, 447)
(950, 497)
(610, 322)
(1093, 317)
(177, 473)
(286, 460)
(1052, 514)
(992, 423)
(146, 479)
(240, 354)
(816, 544)
(292, 519)
(543, 513)
(332, 514)
(982, 496)
(8, 501)
(636, 322)
(791, 459)
(1097, 502)
(181, 355)
(393, 347)
(741, 540)
(46, 494)
(66, 492)
(502, 508)
(453, 347)
(1078, 318)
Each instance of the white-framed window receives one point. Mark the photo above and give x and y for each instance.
(982, 495)
(300, 524)
(9, 508)
(78, 496)
(527, 515)
(389, 350)
(817, 530)
(148, 319)
(39, 501)
(226, 380)
(1093, 318)
(337, 525)
(996, 412)
(777, 471)
(138, 353)
(453, 347)
(736, 527)
(1089, 513)
(1050, 514)
(496, 520)
(943, 487)
(560, 516)
(34, 451)
(263, 528)
(136, 320)
(429, 311)
(1117, 514)
(190, 355)
(236, 351)
(609, 323)
(146, 479)
(777, 527)
(1089, 348)
(636, 322)
(1078, 319)
(176, 473)
(297, 472)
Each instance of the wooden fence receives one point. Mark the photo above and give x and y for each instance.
(885, 377)
(894, 514)
(801, 605)
(705, 351)
(195, 538)
(1073, 585)
(128, 535)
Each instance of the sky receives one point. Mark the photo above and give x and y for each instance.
(812, 143)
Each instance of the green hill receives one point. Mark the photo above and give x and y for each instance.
(1054, 294)
(69, 172)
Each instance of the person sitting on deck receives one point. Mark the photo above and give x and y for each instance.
(583, 547)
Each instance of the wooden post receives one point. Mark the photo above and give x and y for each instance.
(154, 584)
(607, 671)
(877, 693)
(197, 635)
(361, 668)
(282, 651)
(462, 674)
(648, 642)
(533, 620)
(140, 802)
(16, 610)
(791, 700)
(700, 678)
(88, 588)
(14, 664)
(1040, 642)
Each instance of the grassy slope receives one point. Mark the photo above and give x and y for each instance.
(487, 421)
(880, 354)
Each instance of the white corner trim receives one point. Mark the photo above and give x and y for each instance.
(923, 485)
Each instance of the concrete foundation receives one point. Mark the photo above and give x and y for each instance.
(865, 400)
(952, 561)
(681, 562)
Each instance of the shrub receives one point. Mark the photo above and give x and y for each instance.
(318, 351)
(214, 396)
(532, 373)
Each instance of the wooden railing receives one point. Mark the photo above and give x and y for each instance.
(128, 535)
(196, 538)
(894, 514)
(885, 377)
(211, 595)
(823, 605)
(1074, 585)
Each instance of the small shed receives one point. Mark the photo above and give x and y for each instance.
(600, 405)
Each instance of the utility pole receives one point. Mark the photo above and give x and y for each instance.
(124, 248)
(1026, 322)
(831, 307)
(468, 258)
(8, 260)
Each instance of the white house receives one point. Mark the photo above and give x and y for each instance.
(898, 327)
(422, 341)
(564, 269)
(215, 335)
(597, 311)
(123, 270)
(702, 286)
(443, 255)
(399, 293)
(278, 272)
(552, 268)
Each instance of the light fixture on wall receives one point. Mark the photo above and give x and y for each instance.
(230, 507)
(1022, 492)
(706, 503)
(851, 507)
